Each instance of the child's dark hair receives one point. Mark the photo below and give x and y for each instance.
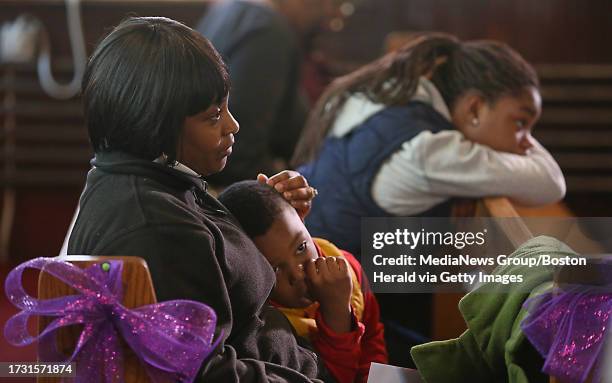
(141, 82)
(490, 68)
(255, 205)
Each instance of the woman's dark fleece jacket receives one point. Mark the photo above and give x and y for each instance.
(195, 250)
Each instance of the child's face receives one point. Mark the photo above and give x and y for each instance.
(207, 139)
(288, 247)
(505, 125)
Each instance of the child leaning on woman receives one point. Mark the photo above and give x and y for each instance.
(320, 288)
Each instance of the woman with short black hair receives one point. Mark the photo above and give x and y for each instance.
(143, 80)
(155, 95)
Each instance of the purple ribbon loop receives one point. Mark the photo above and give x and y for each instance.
(568, 328)
(172, 339)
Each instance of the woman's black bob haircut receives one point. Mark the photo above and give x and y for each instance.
(141, 82)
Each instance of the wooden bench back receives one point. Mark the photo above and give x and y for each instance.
(138, 291)
(500, 208)
(447, 320)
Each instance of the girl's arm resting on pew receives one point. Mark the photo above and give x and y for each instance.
(434, 167)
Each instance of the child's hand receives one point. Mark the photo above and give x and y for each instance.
(329, 282)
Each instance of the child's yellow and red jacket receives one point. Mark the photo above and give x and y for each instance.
(347, 355)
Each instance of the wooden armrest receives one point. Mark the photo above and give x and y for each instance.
(514, 229)
(137, 291)
(501, 208)
(447, 321)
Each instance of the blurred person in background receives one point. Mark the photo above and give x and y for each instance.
(263, 42)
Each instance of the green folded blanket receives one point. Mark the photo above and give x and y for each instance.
(493, 348)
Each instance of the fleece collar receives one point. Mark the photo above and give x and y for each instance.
(124, 163)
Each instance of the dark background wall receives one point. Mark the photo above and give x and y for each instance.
(544, 31)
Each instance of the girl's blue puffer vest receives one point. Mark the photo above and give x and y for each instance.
(345, 168)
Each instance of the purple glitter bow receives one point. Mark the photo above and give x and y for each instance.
(171, 339)
(568, 328)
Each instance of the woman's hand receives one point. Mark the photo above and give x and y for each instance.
(294, 189)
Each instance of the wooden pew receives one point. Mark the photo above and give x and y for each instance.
(499, 208)
(138, 291)
(447, 321)
(575, 123)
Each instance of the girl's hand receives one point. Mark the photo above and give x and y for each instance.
(294, 189)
